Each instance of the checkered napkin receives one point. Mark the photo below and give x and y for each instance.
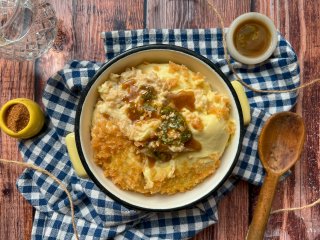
(98, 216)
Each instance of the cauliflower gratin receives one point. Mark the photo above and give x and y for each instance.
(159, 128)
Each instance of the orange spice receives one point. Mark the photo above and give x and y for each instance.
(17, 117)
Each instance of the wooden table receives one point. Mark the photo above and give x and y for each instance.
(80, 24)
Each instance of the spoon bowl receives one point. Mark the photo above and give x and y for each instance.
(280, 146)
(281, 142)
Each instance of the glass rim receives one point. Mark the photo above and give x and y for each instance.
(14, 15)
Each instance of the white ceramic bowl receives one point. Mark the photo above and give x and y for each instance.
(133, 57)
(239, 20)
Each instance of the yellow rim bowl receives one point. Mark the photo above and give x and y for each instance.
(34, 125)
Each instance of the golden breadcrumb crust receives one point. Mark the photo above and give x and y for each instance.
(123, 164)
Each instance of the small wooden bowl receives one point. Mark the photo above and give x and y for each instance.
(36, 119)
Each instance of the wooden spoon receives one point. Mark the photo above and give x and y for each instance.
(280, 146)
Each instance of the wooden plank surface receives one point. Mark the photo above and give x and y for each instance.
(80, 24)
(296, 20)
(16, 80)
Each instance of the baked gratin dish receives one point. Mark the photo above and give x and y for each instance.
(159, 128)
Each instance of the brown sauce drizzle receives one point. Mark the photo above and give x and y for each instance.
(133, 113)
(151, 162)
(132, 94)
(183, 99)
(193, 145)
(127, 84)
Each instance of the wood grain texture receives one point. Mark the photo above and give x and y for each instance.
(197, 14)
(192, 13)
(16, 80)
(232, 225)
(297, 20)
(80, 24)
(79, 31)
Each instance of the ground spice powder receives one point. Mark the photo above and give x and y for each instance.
(17, 117)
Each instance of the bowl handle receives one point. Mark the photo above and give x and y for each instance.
(74, 156)
(243, 102)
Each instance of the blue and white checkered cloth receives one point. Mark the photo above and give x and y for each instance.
(98, 216)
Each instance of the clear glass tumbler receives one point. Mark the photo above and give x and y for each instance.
(27, 28)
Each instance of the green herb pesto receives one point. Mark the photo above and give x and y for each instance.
(148, 107)
(173, 129)
(149, 93)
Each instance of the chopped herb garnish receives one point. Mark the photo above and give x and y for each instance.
(173, 129)
(148, 107)
(148, 93)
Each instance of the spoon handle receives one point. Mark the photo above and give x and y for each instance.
(262, 210)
